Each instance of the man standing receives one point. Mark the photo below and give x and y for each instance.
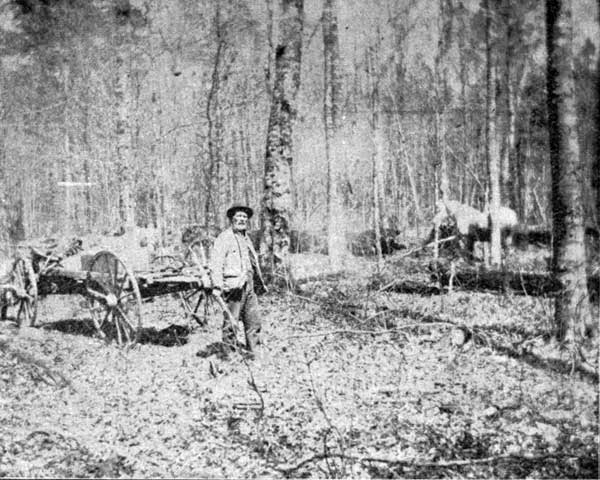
(235, 270)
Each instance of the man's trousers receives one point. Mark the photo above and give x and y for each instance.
(243, 305)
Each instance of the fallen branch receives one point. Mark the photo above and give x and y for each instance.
(405, 286)
(323, 277)
(324, 304)
(530, 284)
(286, 470)
(307, 299)
(368, 332)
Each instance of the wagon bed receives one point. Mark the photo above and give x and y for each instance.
(113, 292)
(150, 284)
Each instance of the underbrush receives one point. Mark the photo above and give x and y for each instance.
(351, 382)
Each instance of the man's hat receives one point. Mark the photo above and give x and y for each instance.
(239, 208)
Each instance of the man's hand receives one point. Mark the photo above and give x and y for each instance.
(216, 291)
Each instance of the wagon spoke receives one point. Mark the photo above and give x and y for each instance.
(116, 279)
(95, 307)
(95, 311)
(20, 311)
(118, 328)
(206, 306)
(106, 317)
(191, 304)
(189, 295)
(200, 298)
(106, 270)
(128, 327)
(121, 286)
(95, 293)
(112, 269)
(126, 331)
(128, 296)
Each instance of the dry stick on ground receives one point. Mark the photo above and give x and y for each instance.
(367, 332)
(261, 408)
(415, 464)
(332, 427)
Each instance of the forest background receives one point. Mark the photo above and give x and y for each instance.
(160, 120)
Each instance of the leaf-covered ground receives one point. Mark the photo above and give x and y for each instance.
(349, 383)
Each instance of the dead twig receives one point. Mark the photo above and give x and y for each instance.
(340, 439)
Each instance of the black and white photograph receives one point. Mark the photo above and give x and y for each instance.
(279, 239)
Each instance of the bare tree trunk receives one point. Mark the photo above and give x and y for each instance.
(572, 309)
(377, 161)
(507, 105)
(528, 177)
(67, 159)
(441, 77)
(492, 150)
(396, 195)
(441, 89)
(596, 147)
(463, 76)
(212, 107)
(277, 200)
(333, 143)
(122, 92)
(409, 170)
(271, 50)
(377, 155)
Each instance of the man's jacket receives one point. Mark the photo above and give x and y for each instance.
(227, 266)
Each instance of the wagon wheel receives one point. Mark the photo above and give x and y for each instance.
(193, 299)
(114, 298)
(27, 292)
(195, 303)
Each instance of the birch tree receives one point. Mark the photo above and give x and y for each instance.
(492, 148)
(331, 120)
(441, 74)
(123, 102)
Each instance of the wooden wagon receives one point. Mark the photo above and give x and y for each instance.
(113, 293)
